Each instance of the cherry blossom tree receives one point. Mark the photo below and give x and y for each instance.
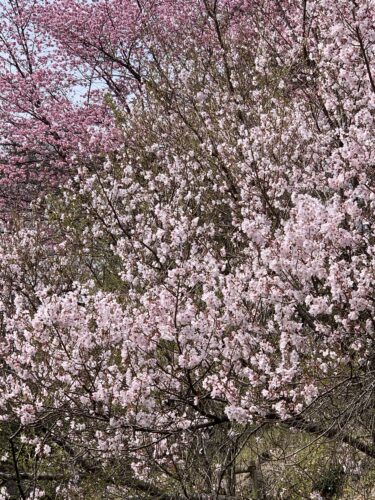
(49, 113)
(191, 314)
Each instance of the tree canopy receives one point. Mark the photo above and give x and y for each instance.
(187, 251)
